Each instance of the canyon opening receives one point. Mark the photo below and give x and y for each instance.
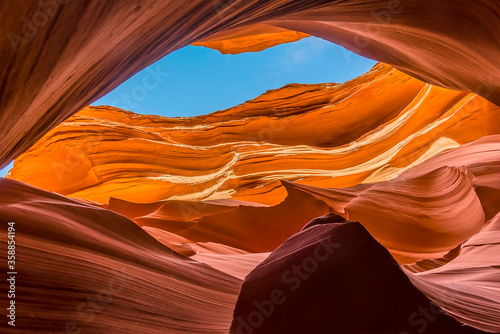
(263, 166)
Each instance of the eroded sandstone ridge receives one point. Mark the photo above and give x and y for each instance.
(87, 269)
(58, 56)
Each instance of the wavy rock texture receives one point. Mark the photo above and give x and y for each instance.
(103, 152)
(83, 268)
(242, 225)
(428, 210)
(465, 283)
(61, 55)
(440, 202)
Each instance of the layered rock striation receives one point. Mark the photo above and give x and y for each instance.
(59, 56)
(325, 135)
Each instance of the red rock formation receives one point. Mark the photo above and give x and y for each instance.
(466, 285)
(61, 55)
(333, 277)
(148, 167)
(427, 210)
(82, 268)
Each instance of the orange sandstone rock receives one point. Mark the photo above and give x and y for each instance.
(262, 36)
(367, 130)
(58, 58)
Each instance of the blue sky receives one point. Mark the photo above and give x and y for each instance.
(196, 80)
(6, 169)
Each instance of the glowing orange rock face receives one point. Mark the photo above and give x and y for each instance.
(261, 37)
(92, 54)
(324, 135)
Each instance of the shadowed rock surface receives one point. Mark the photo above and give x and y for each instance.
(335, 278)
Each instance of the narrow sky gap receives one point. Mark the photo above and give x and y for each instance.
(198, 80)
(6, 169)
